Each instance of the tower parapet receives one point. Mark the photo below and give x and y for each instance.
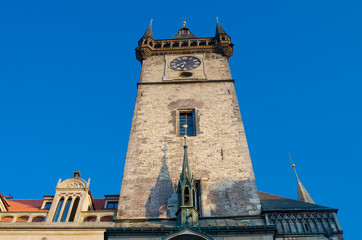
(184, 43)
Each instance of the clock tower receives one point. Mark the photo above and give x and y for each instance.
(186, 88)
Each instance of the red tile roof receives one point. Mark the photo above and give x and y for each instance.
(111, 195)
(6, 219)
(99, 203)
(25, 205)
(34, 205)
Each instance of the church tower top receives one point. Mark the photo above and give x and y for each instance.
(184, 42)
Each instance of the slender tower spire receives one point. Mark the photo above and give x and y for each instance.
(303, 195)
(185, 174)
(149, 32)
(186, 214)
(219, 29)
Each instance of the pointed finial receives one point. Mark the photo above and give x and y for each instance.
(151, 22)
(217, 19)
(303, 195)
(185, 136)
(293, 166)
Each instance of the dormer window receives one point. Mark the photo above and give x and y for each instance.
(112, 205)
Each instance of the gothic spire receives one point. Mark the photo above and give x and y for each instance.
(186, 173)
(303, 195)
(149, 32)
(219, 29)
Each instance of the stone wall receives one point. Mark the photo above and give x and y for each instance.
(218, 155)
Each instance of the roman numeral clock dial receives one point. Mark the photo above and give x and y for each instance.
(185, 63)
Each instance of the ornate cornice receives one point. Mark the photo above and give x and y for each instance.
(148, 47)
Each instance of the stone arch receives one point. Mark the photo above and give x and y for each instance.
(73, 183)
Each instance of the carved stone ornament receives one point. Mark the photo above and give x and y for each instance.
(73, 183)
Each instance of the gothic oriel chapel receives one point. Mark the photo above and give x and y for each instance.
(188, 172)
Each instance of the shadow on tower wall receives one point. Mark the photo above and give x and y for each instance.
(156, 205)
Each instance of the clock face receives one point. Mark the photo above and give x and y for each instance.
(185, 63)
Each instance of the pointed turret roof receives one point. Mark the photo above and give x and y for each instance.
(184, 33)
(186, 172)
(303, 195)
(219, 29)
(149, 32)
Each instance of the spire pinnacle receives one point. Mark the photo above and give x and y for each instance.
(293, 166)
(186, 173)
(303, 195)
(219, 29)
(149, 32)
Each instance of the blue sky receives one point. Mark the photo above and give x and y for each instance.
(68, 77)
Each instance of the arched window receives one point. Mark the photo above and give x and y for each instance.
(60, 204)
(66, 210)
(74, 210)
(186, 196)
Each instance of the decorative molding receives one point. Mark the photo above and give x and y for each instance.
(73, 183)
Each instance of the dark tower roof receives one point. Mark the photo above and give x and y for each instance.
(184, 33)
(149, 32)
(219, 29)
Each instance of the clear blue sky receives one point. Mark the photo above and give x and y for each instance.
(68, 77)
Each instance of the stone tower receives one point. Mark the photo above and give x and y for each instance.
(186, 81)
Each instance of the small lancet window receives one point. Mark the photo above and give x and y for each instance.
(74, 210)
(60, 204)
(186, 196)
(66, 210)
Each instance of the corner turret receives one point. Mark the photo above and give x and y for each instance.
(186, 214)
(223, 41)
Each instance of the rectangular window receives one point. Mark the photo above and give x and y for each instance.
(187, 117)
(112, 205)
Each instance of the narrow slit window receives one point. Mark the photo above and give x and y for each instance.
(60, 204)
(66, 210)
(187, 118)
(74, 210)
